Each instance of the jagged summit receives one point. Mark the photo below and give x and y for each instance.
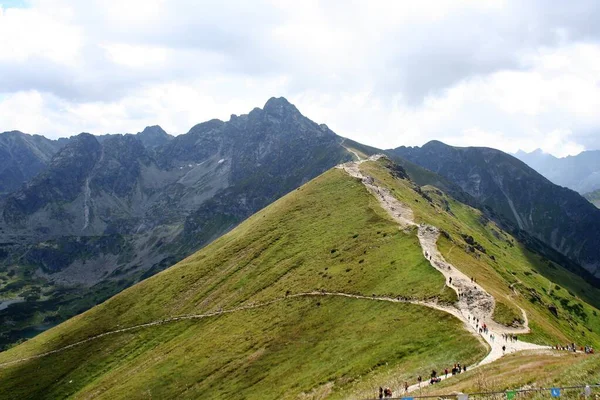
(153, 136)
(279, 106)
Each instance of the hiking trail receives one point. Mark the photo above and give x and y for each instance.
(474, 301)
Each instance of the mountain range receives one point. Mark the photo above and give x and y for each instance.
(580, 172)
(103, 212)
(85, 217)
(557, 216)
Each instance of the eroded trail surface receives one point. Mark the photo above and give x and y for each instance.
(475, 306)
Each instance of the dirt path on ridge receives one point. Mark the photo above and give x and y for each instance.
(474, 304)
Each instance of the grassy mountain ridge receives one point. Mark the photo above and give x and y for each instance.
(330, 234)
(286, 247)
(508, 270)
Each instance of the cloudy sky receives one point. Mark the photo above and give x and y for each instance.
(504, 74)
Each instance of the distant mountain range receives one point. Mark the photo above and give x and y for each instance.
(580, 173)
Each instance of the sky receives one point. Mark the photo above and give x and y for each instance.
(505, 74)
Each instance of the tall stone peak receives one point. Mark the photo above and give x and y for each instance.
(279, 106)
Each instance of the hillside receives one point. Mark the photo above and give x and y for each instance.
(580, 172)
(108, 211)
(271, 313)
(557, 216)
(594, 197)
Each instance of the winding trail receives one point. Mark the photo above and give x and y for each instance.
(475, 303)
(452, 310)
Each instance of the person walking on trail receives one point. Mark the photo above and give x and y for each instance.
(419, 379)
(380, 392)
(446, 373)
(450, 280)
(503, 349)
(405, 387)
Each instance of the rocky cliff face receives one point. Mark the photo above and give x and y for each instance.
(196, 185)
(557, 216)
(22, 157)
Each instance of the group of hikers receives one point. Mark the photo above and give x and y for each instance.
(572, 347)
(510, 338)
(433, 378)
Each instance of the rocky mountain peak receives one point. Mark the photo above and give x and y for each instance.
(279, 106)
(153, 136)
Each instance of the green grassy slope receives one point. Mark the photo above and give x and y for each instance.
(561, 306)
(330, 234)
(552, 369)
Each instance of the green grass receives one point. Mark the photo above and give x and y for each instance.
(330, 234)
(515, 276)
(519, 370)
(506, 314)
(278, 352)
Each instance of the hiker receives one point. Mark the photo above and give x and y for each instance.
(433, 373)
(446, 373)
(380, 392)
(458, 368)
(503, 349)
(405, 387)
(387, 392)
(419, 379)
(465, 368)
(450, 280)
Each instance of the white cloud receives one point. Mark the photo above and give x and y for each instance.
(29, 33)
(497, 73)
(135, 56)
